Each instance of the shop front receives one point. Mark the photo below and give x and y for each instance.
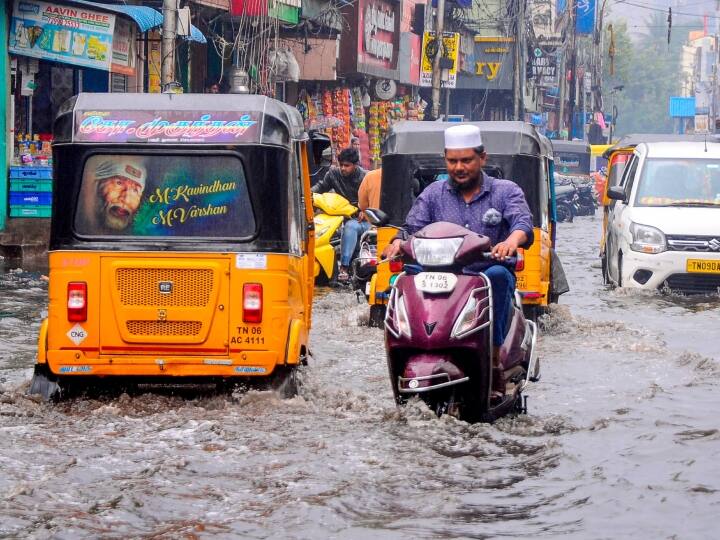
(376, 73)
(55, 50)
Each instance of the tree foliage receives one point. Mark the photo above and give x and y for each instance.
(649, 70)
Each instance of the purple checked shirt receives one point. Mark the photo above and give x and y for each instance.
(499, 209)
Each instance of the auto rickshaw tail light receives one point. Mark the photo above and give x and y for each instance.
(252, 303)
(77, 301)
(396, 266)
(520, 256)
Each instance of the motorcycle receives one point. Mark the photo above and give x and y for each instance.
(565, 202)
(331, 212)
(585, 201)
(439, 324)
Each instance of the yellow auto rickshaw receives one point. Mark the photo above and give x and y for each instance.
(413, 158)
(181, 245)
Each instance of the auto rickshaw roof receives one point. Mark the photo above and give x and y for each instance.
(571, 146)
(633, 139)
(177, 119)
(508, 138)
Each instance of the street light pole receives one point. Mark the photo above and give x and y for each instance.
(437, 72)
(167, 45)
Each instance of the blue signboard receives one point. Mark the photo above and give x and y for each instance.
(585, 20)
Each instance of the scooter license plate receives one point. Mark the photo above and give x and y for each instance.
(435, 282)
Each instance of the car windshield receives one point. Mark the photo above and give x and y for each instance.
(679, 182)
(131, 195)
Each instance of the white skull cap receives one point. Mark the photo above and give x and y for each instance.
(462, 136)
(126, 167)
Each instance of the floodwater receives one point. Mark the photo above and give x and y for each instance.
(622, 438)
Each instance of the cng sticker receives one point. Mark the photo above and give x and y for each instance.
(77, 334)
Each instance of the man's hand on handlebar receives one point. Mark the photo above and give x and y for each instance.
(509, 246)
(392, 250)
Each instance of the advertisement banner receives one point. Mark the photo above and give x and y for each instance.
(62, 33)
(123, 48)
(165, 127)
(585, 21)
(450, 48)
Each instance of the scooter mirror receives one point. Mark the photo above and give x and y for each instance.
(377, 217)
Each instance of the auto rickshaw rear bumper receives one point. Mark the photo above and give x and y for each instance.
(77, 362)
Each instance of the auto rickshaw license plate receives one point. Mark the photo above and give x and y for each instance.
(435, 282)
(703, 266)
(520, 283)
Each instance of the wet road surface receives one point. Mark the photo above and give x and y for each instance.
(622, 436)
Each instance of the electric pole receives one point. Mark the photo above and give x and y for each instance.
(437, 71)
(167, 47)
(518, 109)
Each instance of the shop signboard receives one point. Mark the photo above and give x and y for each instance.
(123, 48)
(62, 33)
(370, 43)
(702, 125)
(450, 48)
(544, 66)
(165, 127)
(492, 64)
(154, 61)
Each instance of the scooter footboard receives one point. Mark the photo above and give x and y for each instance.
(426, 372)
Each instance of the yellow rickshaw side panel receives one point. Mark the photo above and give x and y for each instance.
(535, 278)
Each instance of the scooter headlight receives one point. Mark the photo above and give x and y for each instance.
(646, 239)
(467, 320)
(402, 322)
(321, 231)
(436, 251)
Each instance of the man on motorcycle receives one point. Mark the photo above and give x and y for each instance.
(345, 180)
(492, 207)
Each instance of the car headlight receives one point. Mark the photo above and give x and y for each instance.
(436, 251)
(646, 239)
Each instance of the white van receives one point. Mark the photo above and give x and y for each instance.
(664, 224)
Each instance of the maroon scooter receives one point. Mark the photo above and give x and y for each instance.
(439, 325)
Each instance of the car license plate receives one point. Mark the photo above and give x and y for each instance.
(703, 266)
(435, 282)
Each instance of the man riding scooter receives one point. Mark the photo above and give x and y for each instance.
(345, 180)
(488, 206)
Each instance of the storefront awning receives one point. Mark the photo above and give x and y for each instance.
(146, 18)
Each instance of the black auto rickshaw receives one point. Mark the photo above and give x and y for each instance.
(572, 160)
(413, 158)
(181, 244)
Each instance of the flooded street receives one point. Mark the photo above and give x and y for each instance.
(622, 436)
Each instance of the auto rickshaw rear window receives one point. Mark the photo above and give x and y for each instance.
(204, 196)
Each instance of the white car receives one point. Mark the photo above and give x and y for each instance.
(664, 225)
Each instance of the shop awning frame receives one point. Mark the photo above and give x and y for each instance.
(145, 17)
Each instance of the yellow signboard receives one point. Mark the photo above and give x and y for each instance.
(449, 59)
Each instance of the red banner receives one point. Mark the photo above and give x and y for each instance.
(251, 8)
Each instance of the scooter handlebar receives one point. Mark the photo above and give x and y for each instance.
(510, 262)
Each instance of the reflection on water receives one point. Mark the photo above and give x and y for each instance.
(621, 437)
